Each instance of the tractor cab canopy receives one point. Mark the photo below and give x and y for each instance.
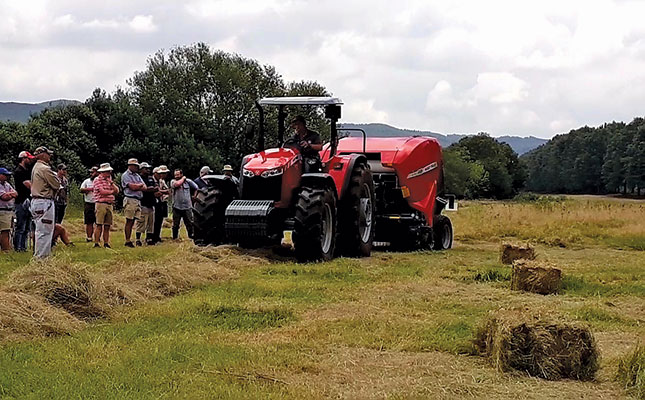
(332, 111)
(300, 101)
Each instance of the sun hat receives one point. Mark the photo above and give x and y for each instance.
(133, 161)
(105, 167)
(94, 168)
(163, 169)
(228, 168)
(43, 149)
(145, 165)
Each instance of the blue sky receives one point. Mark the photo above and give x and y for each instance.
(505, 67)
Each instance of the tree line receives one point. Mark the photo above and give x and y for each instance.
(606, 159)
(191, 106)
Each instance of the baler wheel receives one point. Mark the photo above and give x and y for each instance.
(208, 217)
(442, 232)
(356, 214)
(314, 234)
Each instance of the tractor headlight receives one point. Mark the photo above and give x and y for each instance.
(272, 172)
(247, 173)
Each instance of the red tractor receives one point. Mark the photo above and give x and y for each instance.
(337, 209)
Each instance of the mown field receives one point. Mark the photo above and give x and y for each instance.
(176, 321)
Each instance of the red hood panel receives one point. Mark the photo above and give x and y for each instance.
(271, 158)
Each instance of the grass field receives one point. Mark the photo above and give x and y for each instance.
(396, 325)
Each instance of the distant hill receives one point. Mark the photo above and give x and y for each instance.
(520, 145)
(20, 112)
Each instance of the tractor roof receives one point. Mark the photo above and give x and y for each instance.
(300, 101)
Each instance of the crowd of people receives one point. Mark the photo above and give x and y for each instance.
(38, 200)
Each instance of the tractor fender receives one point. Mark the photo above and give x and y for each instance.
(347, 171)
(223, 183)
(318, 179)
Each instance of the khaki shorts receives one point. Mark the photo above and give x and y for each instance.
(5, 220)
(103, 214)
(147, 221)
(131, 208)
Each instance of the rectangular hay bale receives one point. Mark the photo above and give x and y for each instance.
(547, 348)
(512, 252)
(535, 277)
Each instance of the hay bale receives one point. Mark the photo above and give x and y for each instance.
(547, 348)
(535, 277)
(512, 252)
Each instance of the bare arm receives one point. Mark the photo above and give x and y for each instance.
(27, 184)
(179, 182)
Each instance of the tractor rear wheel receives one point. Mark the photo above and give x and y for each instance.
(442, 233)
(208, 217)
(314, 234)
(356, 214)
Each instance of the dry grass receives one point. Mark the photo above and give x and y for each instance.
(554, 223)
(535, 276)
(55, 296)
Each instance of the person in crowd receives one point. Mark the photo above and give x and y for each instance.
(44, 185)
(148, 200)
(60, 200)
(22, 180)
(161, 206)
(89, 216)
(307, 142)
(182, 207)
(200, 182)
(228, 172)
(7, 201)
(133, 188)
(104, 191)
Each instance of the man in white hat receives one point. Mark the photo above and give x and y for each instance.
(161, 206)
(228, 172)
(133, 188)
(104, 191)
(148, 200)
(44, 185)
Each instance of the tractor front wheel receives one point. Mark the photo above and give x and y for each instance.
(314, 234)
(442, 233)
(208, 214)
(356, 214)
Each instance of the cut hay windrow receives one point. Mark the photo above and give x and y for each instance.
(56, 296)
(24, 315)
(543, 346)
(535, 277)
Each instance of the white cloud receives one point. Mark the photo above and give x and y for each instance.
(501, 66)
(143, 23)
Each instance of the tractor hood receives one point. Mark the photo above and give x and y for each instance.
(269, 162)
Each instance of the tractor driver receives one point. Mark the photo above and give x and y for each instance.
(307, 142)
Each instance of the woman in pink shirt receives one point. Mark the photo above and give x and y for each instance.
(104, 190)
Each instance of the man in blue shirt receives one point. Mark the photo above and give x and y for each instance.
(182, 205)
(133, 188)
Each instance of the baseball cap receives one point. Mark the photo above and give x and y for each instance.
(62, 166)
(43, 149)
(4, 171)
(25, 154)
(205, 170)
(145, 165)
(94, 168)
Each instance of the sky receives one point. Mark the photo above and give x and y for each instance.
(520, 68)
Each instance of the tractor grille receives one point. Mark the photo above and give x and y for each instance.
(259, 188)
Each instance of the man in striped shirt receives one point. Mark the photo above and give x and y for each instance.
(104, 190)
